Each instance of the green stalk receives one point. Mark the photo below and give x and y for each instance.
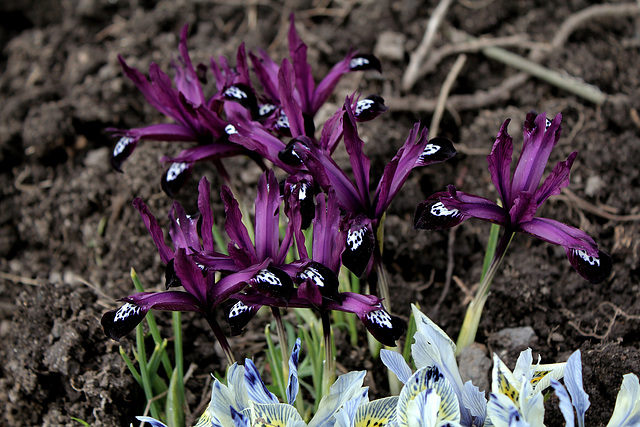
(153, 327)
(222, 339)
(131, 367)
(146, 380)
(329, 375)
(474, 311)
(176, 318)
(282, 337)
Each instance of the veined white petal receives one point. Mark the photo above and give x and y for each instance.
(274, 415)
(565, 403)
(396, 364)
(627, 410)
(380, 412)
(504, 413)
(573, 380)
(346, 387)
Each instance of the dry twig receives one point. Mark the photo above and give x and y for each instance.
(444, 94)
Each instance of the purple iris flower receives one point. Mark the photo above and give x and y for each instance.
(190, 235)
(363, 212)
(522, 195)
(197, 118)
(307, 95)
(317, 280)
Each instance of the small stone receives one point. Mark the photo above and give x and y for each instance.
(593, 186)
(514, 338)
(475, 365)
(390, 46)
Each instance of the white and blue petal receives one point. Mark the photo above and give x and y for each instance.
(573, 381)
(293, 384)
(256, 388)
(396, 364)
(627, 410)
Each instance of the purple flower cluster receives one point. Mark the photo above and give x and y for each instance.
(287, 106)
(276, 125)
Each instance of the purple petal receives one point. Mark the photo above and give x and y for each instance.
(122, 150)
(595, 269)
(328, 238)
(191, 276)
(556, 181)
(369, 108)
(254, 137)
(216, 261)
(236, 230)
(234, 283)
(186, 78)
(183, 229)
(329, 82)
(331, 132)
(360, 244)
(162, 132)
(500, 163)
(523, 208)
(311, 293)
(290, 107)
(154, 229)
(536, 149)
(398, 169)
(144, 86)
(267, 208)
(204, 206)
(475, 206)
(243, 94)
(267, 72)
(175, 177)
(304, 78)
(360, 163)
(329, 176)
(437, 150)
(555, 232)
(289, 154)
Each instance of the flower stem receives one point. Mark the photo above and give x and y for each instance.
(329, 367)
(282, 337)
(474, 311)
(222, 339)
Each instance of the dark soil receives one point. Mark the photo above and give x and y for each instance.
(69, 235)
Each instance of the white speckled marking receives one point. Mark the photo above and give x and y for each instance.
(314, 275)
(547, 124)
(122, 145)
(175, 170)
(302, 194)
(439, 209)
(358, 62)
(266, 276)
(283, 121)
(235, 92)
(238, 309)
(429, 150)
(126, 311)
(380, 318)
(591, 260)
(354, 238)
(266, 109)
(230, 129)
(363, 105)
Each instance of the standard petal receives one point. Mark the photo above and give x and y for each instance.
(500, 163)
(191, 276)
(204, 206)
(360, 163)
(186, 78)
(293, 384)
(235, 228)
(267, 214)
(396, 364)
(346, 387)
(328, 238)
(564, 403)
(627, 410)
(291, 108)
(154, 229)
(573, 381)
(183, 229)
(595, 269)
(556, 181)
(304, 78)
(256, 388)
(536, 149)
(329, 82)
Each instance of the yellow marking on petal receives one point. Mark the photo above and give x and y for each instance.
(507, 387)
(205, 419)
(273, 414)
(378, 413)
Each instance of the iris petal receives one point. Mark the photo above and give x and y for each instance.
(175, 177)
(595, 269)
(432, 214)
(122, 150)
(119, 322)
(359, 246)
